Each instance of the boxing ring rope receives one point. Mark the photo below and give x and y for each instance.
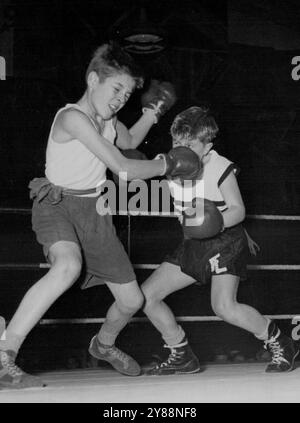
(24, 266)
(269, 267)
(164, 214)
(92, 320)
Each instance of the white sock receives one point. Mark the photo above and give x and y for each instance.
(175, 337)
(11, 341)
(265, 334)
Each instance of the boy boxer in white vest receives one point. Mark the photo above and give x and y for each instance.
(84, 141)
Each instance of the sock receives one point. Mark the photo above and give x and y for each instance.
(2, 326)
(11, 341)
(174, 338)
(265, 334)
(108, 333)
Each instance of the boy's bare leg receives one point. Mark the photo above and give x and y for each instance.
(163, 281)
(128, 300)
(65, 268)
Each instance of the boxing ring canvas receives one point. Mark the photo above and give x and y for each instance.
(238, 383)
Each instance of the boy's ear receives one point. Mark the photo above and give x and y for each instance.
(92, 79)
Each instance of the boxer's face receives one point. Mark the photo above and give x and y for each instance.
(106, 98)
(194, 144)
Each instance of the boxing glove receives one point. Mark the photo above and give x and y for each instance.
(183, 163)
(159, 98)
(202, 220)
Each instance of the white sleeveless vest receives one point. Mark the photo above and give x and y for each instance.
(214, 172)
(71, 164)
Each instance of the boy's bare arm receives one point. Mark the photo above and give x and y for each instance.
(78, 126)
(133, 137)
(233, 199)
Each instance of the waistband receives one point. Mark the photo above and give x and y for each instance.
(42, 187)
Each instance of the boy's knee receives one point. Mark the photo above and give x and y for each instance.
(69, 268)
(152, 294)
(223, 309)
(132, 304)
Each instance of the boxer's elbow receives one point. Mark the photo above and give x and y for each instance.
(240, 213)
(234, 215)
(125, 170)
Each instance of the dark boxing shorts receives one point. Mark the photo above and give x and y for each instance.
(226, 253)
(76, 219)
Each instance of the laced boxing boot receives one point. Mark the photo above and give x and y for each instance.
(181, 360)
(283, 350)
(121, 361)
(11, 376)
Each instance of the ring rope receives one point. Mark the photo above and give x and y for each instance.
(151, 266)
(145, 319)
(164, 214)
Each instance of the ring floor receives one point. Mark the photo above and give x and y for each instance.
(219, 383)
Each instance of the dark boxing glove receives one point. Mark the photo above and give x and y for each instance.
(182, 163)
(203, 220)
(130, 153)
(159, 98)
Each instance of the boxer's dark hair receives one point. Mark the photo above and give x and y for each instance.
(110, 59)
(195, 122)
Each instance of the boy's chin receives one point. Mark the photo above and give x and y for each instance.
(107, 115)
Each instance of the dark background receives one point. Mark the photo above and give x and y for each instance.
(234, 56)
